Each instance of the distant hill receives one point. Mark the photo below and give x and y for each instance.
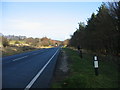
(44, 41)
(12, 37)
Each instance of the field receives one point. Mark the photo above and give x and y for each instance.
(82, 74)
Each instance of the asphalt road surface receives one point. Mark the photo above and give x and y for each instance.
(29, 70)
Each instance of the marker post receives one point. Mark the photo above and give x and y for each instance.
(96, 65)
(80, 53)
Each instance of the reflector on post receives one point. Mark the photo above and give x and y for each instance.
(96, 65)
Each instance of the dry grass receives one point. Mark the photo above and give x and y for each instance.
(10, 50)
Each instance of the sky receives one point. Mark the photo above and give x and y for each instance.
(55, 20)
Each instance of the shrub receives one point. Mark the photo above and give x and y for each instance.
(5, 42)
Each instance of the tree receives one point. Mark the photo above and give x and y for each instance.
(114, 10)
(76, 38)
(102, 32)
(5, 42)
(45, 41)
(66, 42)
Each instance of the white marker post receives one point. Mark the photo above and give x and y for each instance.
(96, 65)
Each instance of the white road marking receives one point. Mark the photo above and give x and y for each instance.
(19, 58)
(35, 53)
(39, 73)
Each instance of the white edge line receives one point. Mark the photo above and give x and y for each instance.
(38, 74)
(19, 58)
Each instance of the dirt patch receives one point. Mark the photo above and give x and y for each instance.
(64, 64)
(61, 69)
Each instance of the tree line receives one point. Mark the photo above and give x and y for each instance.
(102, 32)
(34, 42)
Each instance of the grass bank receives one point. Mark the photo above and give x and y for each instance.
(10, 50)
(82, 73)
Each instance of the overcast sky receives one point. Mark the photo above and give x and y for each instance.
(55, 20)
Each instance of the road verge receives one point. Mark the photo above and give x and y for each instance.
(81, 73)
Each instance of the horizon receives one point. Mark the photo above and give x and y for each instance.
(55, 20)
(31, 37)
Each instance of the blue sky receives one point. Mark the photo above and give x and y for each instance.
(56, 20)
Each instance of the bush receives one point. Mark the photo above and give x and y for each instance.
(5, 42)
(17, 42)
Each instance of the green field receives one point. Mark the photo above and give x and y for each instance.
(82, 73)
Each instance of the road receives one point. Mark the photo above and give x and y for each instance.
(29, 70)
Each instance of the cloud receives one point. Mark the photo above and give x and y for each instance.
(24, 25)
(21, 27)
(36, 29)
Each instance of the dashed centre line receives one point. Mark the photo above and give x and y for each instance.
(23, 57)
(39, 73)
(35, 53)
(19, 58)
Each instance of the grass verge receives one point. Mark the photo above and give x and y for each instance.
(82, 73)
(7, 51)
